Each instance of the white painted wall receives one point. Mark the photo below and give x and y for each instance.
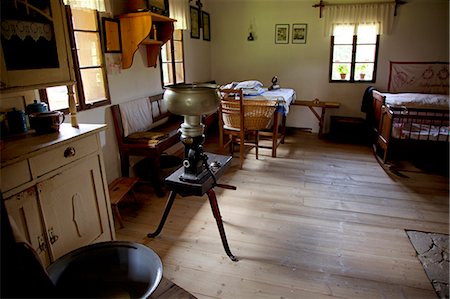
(420, 33)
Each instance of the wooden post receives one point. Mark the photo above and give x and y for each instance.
(72, 106)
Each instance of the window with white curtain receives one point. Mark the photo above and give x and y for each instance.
(354, 51)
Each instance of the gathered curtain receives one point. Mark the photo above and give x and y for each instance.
(91, 4)
(381, 14)
(179, 10)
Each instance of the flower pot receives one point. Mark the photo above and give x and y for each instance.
(362, 76)
(343, 76)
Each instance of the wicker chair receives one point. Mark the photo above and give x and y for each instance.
(240, 119)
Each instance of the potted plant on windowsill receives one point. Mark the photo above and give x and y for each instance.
(343, 71)
(362, 71)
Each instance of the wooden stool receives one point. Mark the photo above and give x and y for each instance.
(117, 191)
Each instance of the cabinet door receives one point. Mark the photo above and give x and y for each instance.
(74, 207)
(34, 44)
(24, 212)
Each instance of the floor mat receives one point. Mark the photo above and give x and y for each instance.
(433, 252)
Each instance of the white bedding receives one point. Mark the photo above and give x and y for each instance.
(284, 96)
(419, 100)
(420, 131)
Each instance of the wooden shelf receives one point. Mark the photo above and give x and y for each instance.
(135, 29)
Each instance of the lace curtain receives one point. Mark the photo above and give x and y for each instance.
(370, 13)
(91, 4)
(179, 11)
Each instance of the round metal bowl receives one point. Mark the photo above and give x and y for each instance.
(192, 99)
(113, 269)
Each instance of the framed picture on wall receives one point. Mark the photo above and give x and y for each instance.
(299, 33)
(195, 22)
(111, 35)
(282, 33)
(206, 26)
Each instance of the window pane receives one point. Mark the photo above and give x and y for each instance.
(165, 53)
(364, 71)
(343, 34)
(167, 73)
(93, 84)
(178, 50)
(341, 68)
(179, 68)
(84, 19)
(342, 54)
(365, 53)
(58, 98)
(367, 34)
(178, 35)
(88, 49)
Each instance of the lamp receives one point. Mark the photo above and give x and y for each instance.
(192, 101)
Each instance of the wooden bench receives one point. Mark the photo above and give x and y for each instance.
(118, 189)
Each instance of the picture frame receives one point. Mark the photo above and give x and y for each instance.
(195, 21)
(160, 7)
(112, 41)
(282, 33)
(299, 33)
(206, 26)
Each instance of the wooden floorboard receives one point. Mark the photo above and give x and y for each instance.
(321, 220)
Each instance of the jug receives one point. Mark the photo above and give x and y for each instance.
(17, 122)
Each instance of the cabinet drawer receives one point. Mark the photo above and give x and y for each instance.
(62, 155)
(15, 175)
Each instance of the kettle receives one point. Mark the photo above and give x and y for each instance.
(36, 107)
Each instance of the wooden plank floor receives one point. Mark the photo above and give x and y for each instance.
(321, 220)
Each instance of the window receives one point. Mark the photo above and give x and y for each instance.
(354, 51)
(172, 61)
(91, 89)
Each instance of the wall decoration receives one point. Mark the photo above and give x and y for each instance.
(195, 24)
(159, 6)
(206, 26)
(111, 35)
(282, 33)
(299, 33)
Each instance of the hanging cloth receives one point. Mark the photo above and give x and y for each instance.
(370, 13)
(179, 11)
(91, 4)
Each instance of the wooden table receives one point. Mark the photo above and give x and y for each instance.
(316, 103)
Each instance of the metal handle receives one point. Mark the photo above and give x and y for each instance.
(41, 243)
(69, 152)
(53, 238)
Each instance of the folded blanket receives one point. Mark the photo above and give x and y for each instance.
(148, 137)
(250, 87)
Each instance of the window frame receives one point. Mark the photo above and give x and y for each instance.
(173, 62)
(81, 104)
(353, 62)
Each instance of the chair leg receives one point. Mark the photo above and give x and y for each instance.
(257, 143)
(241, 150)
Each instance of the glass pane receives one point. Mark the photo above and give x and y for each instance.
(165, 52)
(88, 48)
(58, 98)
(167, 73)
(367, 34)
(178, 50)
(343, 34)
(179, 69)
(342, 54)
(84, 19)
(341, 68)
(93, 85)
(364, 71)
(178, 34)
(365, 53)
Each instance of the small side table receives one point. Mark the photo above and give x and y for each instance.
(205, 186)
(316, 103)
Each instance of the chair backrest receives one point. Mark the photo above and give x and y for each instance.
(245, 114)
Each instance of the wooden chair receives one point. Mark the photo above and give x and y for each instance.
(239, 119)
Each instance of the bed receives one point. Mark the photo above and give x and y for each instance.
(414, 122)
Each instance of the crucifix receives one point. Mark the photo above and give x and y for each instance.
(320, 5)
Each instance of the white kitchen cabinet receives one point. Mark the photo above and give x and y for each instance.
(61, 201)
(35, 50)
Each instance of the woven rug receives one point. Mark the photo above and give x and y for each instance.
(433, 252)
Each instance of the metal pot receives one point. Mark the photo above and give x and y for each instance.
(46, 122)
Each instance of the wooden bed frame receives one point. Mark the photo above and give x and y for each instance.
(383, 118)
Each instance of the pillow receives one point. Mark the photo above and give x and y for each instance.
(249, 84)
(136, 115)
